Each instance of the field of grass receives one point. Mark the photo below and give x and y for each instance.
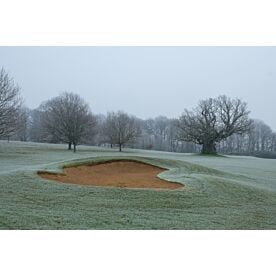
(227, 192)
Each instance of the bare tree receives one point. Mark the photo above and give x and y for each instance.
(161, 126)
(68, 119)
(261, 137)
(120, 128)
(37, 130)
(213, 121)
(273, 142)
(10, 103)
(22, 124)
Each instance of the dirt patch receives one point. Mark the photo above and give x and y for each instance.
(128, 174)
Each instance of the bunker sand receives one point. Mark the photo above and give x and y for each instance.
(123, 174)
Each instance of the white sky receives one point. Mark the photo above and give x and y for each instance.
(146, 81)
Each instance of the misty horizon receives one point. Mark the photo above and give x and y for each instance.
(146, 81)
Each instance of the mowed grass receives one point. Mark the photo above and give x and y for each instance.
(220, 192)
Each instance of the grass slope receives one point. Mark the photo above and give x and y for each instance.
(222, 193)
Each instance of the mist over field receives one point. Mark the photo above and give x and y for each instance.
(135, 134)
(147, 81)
(137, 138)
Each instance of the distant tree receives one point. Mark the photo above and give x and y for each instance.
(68, 119)
(265, 136)
(96, 137)
(22, 124)
(37, 130)
(172, 134)
(10, 103)
(213, 121)
(120, 128)
(260, 137)
(273, 142)
(161, 124)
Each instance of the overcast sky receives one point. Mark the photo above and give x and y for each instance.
(146, 81)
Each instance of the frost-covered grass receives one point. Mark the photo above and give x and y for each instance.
(221, 192)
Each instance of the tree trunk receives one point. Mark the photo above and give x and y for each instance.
(69, 146)
(120, 147)
(209, 148)
(74, 147)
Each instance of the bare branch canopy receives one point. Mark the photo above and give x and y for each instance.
(10, 104)
(213, 121)
(68, 118)
(121, 128)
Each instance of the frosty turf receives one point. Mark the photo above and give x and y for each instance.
(222, 193)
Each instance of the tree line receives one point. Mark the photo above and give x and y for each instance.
(217, 124)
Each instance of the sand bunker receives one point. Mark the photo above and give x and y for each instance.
(129, 174)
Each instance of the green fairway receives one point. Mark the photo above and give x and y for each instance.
(221, 192)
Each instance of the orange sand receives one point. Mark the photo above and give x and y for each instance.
(122, 173)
